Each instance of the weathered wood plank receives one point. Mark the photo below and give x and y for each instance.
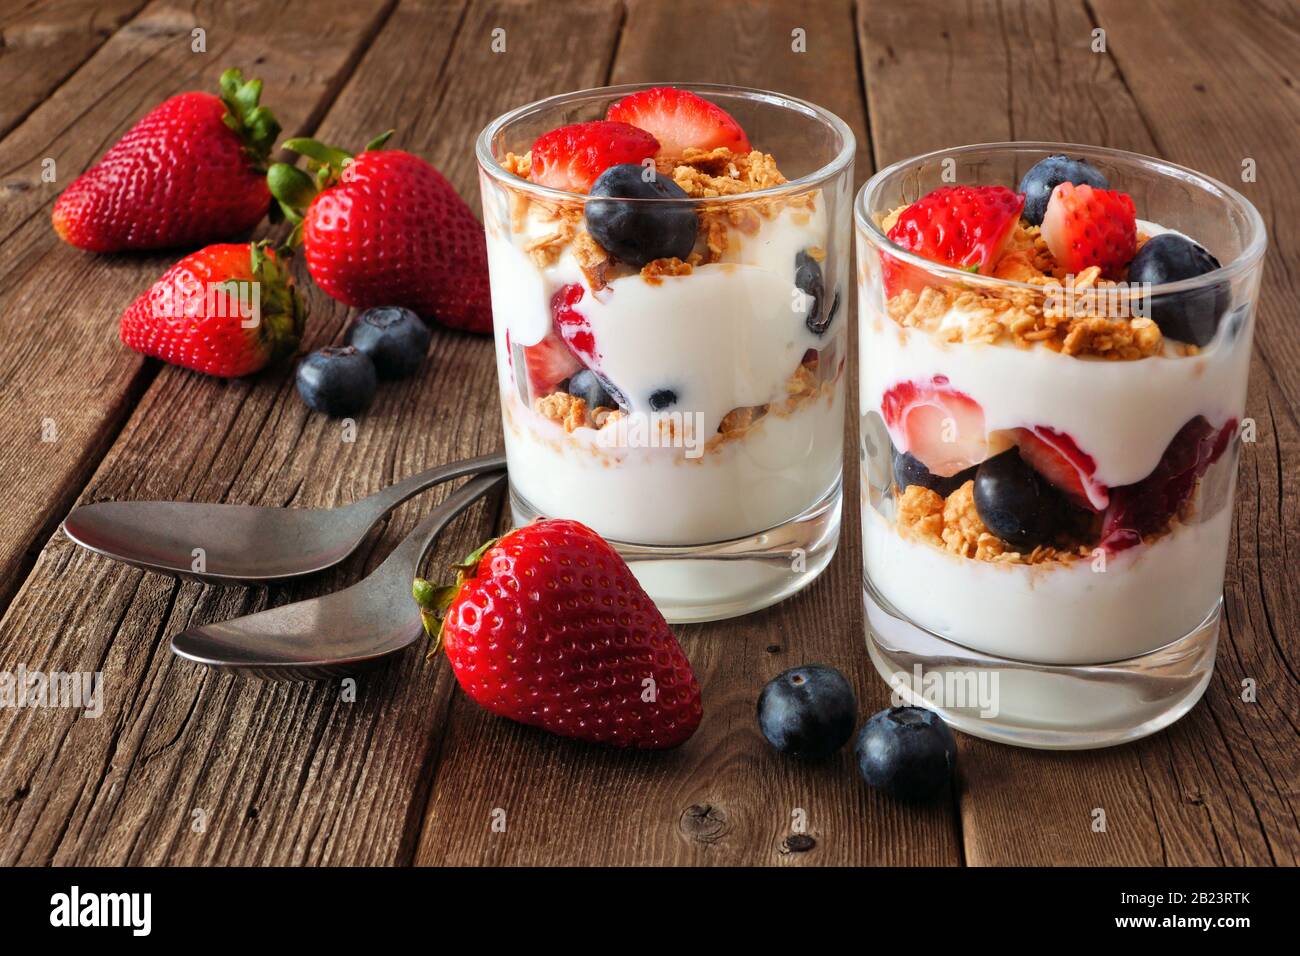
(725, 797)
(89, 383)
(63, 375)
(285, 774)
(42, 43)
(1218, 787)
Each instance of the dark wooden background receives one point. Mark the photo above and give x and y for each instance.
(412, 771)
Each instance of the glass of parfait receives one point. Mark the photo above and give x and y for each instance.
(1054, 347)
(669, 268)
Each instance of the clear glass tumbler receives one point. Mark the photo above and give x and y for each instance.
(690, 410)
(1109, 412)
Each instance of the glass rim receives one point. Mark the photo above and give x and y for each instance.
(1246, 260)
(489, 163)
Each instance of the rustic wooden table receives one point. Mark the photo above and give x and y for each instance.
(411, 772)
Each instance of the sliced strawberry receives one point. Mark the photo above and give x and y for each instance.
(942, 427)
(572, 325)
(679, 119)
(966, 227)
(1058, 458)
(1146, 506)
(549, 363)
(571, 157)
(1090, 227)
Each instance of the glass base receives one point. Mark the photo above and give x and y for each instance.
(711, 582)
(1044, 706)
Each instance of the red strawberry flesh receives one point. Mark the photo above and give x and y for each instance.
(679, 119)
(1058, 458)
(573, 325)
(1147, 506)
(965, 227)
(572, 157)
(1086, 227)
(939, 425)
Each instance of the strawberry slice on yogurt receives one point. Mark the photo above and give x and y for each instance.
(679, 119)
(549, 363)
(966, 227)
(940, 426)
(1090, 227)
(1058, 458)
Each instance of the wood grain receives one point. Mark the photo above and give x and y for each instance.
(410, 771)
(44, 43)
(285, 774)
(63, 374)
(1220, 786)
(725, 797)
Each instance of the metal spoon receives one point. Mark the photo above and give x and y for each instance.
(225, 544)
(337, 633)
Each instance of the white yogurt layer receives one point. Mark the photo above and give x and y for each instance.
(779, 469)
(729, 335)
(1146, 597)
(1121, 413)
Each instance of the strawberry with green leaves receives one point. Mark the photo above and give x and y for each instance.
(384, 228)
(191, 171)
(547, 626)
(227, 310)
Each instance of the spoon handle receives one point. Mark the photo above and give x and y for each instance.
(382, 502)
(404, 560)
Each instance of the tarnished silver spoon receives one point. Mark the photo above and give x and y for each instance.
(225, 544)
(338, 633)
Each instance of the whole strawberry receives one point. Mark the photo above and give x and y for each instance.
(191, 171)
(547, 626)
(227, 310)
(384, 228)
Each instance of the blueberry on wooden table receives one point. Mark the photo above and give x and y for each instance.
(908, 752)
(337, 380)
(395, 339)
(807, 711)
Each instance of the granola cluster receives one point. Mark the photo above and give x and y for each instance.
(702, 174)
(807, 384)
(954, 525)
(1068, 318)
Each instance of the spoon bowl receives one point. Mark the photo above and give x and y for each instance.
(338, 633)
(245, 544)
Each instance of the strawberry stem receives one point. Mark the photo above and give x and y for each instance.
(255, 124)
(283, 314)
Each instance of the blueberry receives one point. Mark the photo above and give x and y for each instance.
(640, 232)
(1047, 174)
(1186, 316)
(337, 380)
(807, 711)
(1014, 502)
(662, 399)
(908, 470)
(394, 338)
(596, 391)
(908, 752)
